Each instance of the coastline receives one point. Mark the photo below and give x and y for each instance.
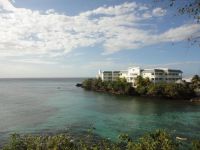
(194, 98)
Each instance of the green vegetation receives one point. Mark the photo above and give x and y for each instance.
(158, 140)
(195, 82)
(145, 87)
(191, 8)
(120, 86)
(165, 90)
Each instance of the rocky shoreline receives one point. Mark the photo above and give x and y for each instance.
(196, 99)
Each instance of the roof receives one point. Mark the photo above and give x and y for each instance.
(111, 71)
(171, 70)
(174, 70)
(153, 70)
(124, 71)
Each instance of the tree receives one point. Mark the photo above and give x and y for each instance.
(196, 82)
(190, 8)
(185, 7)
(142, 85)
(140, 81)
(156, 90)
(178, 91)
(87, 84)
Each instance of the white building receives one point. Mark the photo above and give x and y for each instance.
(132, 74)
(162, 75)
(155, 75)
(108, 75)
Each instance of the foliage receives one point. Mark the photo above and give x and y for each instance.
(191, 7)
(120, 86)
(57, 142)
(196, 145)
(140, 81)
(195, 82)
(171, 90)
(174, 90)
(167, 90)
(142, 85)
(158, 140)
(156, 90)
(145, 87)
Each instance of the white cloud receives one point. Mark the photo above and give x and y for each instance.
(34, 61)
(159, 11)
(5, 4)
(51, 34)
(180, 33)
(174, 64)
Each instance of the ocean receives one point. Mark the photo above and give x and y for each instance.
(50, 106)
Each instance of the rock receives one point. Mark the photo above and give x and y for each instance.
(197, 99)
(180, 138)
(79, 85)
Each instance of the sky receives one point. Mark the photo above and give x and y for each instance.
(76, 38)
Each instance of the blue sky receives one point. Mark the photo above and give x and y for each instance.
(72, 38)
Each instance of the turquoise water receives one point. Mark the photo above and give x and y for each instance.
(56, 105)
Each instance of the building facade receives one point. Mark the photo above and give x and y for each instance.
(156, 75)
(162, 75)
(108, 75)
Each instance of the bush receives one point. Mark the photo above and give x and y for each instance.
(158, 140)
(196, 145)
(178, 91)
(143, 87)
(156, 90)
(120, 86)
(195, 82)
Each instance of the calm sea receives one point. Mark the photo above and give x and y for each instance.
(41, 106)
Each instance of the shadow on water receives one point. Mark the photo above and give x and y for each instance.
(137, 115)
(108, 103)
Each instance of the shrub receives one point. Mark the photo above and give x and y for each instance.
(120, 86)
(178, 91)
(158, 140)
(156, 90)
(144, 87)
(196, 145)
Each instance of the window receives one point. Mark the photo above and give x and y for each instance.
(152, 78)
(152, 73)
